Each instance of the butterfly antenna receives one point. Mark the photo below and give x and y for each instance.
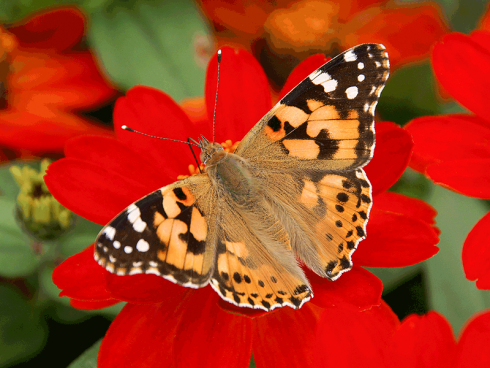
(125, 127)
(193, 154)
(216, 98)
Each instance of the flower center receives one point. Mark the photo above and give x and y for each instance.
(8, 43)
(227, 145)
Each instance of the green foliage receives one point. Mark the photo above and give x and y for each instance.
(450, 292)
(152, 43)
(88, 359)
(22, 330)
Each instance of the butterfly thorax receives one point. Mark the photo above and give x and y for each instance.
(229, 173)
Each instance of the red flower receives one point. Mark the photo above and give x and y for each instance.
(164, 323)
(282, 32)
(428, 341)
(44, 78)
(381, 341)
(453, 150)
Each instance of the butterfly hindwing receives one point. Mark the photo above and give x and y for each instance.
(255, 266)
(167, 233)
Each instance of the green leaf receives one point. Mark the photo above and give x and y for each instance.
(79, 237)
(409, 93)
(22, 330)
(450, 293)
(88, 359)
(17, 257)
(151, 43)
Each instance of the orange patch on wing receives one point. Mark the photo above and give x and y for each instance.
(314, 104)
(302, 148)
(309, 197)
(162, 255)
(327, 112)
(275, 136)
(177, 248)
(198, 228)
(293, 115)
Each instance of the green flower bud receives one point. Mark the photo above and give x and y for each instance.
(38, 212)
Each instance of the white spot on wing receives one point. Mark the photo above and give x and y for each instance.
(110, 232)
(326, 81)
(330, 85)
(153, 264)
(133, 213)
(378, 64)
(351, 92)
(360, 65)
(116, 244)
(139, 225)
(315, 74)
(128, 249)
(112, 259)
(361, 77)
(350, 56)
(366, 107)
(142, 245)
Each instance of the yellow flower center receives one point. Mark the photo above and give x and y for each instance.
(227, 145)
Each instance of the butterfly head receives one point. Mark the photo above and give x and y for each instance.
(211, 153)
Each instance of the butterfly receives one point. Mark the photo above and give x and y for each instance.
(294, 189)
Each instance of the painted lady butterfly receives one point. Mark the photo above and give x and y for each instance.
(294, 187)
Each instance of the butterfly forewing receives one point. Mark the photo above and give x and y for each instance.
(166, 233)
(326, 121)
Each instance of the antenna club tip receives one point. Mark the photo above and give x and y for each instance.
(125, 127)
(219, 55)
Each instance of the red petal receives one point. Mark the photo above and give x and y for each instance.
(356, 288)
(391, 155)
(80, 277)
(395, 240)
(476, 254)
(423, 342)
(142, 289)
(286, 337)
(461, 65)
(151, 111)
(445, 138)
(58, 29)
(411, 207)
(354, 339)
(303, 70)
(211, 337)
(240, 311)
(85, 305)
(468, 177)
(114, 156)
(39, 133)
(472, 348)
(142, 335)
(63, 82)
(243, 97)
(91, 191)
(408, 32)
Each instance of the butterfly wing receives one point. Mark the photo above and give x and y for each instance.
(170, 232)
(312, 146)
(255, 266)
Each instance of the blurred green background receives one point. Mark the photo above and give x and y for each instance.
(136, 43)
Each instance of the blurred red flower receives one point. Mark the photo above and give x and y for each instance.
(101, 176)
(381, 341)
(453, 150)
(45, 79)
(282, 33)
